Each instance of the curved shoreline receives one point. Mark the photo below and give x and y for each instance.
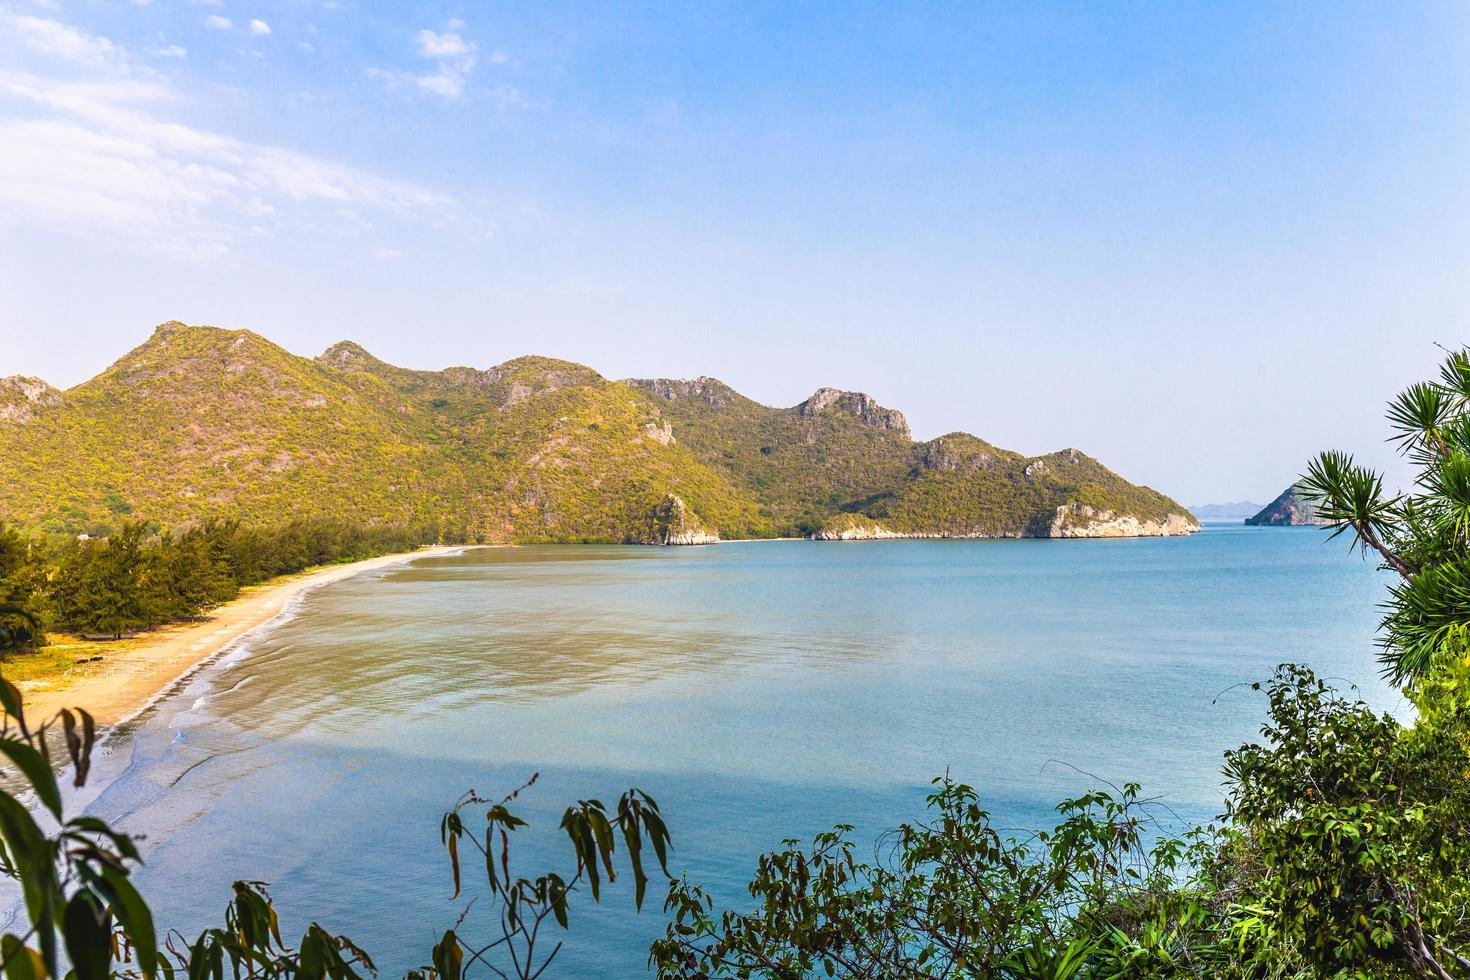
(134, 677)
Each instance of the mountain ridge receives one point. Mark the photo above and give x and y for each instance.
(1234, 509)
(203, 421)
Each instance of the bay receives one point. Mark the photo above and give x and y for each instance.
(757, 690)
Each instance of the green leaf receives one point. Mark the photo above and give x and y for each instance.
(87, 929)
(135, 918)
(21, 962)
(448, 957)
(36, 771)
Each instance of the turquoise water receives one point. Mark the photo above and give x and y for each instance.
(758, 691)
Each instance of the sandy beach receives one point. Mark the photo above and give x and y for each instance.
(134, 675)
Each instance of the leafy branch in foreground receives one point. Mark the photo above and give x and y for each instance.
(951, 896)
(74, 880)
(81, 907)
(1344, 851)
(78, 896)
(523, 905)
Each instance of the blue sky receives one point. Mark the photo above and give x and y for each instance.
(1199, 241)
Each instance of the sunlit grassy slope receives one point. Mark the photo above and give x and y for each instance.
(201, 421)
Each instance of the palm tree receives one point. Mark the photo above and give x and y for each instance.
(1423, 533)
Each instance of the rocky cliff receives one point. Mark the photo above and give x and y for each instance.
(674, 524)
(22, 399)
(1071, 521)
(1287, 510)
(839, 465)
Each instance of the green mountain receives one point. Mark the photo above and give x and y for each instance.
(1287, 510)
(841, 465)
(200, 421)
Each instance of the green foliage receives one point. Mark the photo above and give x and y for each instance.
(250, 944)
(952, 897)
(20, 625)
(201, 423)
(1347, 836)
(524, 905)
(73, 880)
(1423, 534)
(139, 578)
(79, 901)
(809, 468)
(1342, 852)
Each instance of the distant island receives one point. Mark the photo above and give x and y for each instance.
(1287, 510)
(204, 422)
(1221, 512)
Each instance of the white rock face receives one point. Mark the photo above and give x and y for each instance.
(660, 432)
(1082, 521)
(1072, 521)
(858, 532)
(711, 391)
(675, 525)
(858, 403)
(21, 398)
(691, 537)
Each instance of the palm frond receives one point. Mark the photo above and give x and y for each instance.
(1418, 415)
(1454, 375)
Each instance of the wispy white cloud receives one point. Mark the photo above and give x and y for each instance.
(442, 46)
(218, 23)
(259, 27)
(386, 254)
(52, 37)
(171, 51)
(456, 57)
(106, 154)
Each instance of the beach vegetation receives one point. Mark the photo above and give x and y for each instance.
(140, 576)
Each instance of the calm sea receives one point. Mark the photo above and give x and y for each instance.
(758, 691)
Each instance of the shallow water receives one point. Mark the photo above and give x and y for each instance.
(758, 691)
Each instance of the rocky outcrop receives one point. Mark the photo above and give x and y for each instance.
(1071, 521)
(347, 356)
(508, 385)
(1287, 510)
(711, 391)
(22, 398)
(958, 452)
(855, 527)
(855, 403)
(675, 524)
(1082, 521)
(660, 432)
(1054, 464)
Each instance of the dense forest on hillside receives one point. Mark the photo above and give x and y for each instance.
(200, 422)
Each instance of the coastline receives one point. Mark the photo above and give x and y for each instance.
(135, 675)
